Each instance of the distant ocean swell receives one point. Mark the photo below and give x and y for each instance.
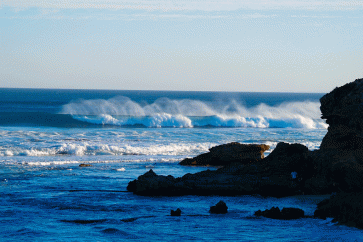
(164, 112)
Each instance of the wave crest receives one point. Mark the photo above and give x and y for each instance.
(164, 112)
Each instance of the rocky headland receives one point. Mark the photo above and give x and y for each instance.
(290, 169)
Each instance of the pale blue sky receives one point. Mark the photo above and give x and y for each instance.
(260, 45)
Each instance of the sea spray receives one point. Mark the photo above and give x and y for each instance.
(164, 112)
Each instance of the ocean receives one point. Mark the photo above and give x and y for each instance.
(46, 134)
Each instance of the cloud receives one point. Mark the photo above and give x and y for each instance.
(182, 5)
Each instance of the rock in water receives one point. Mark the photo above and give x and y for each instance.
(151, 184)
(268, 177)
(85, 165)
(292, 213)
(274, 212)
(226, 154)
(345, 208)
(219, 208)
(176, 212)
(285, 213)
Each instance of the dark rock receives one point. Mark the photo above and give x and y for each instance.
(292, 213)
(219, 208)
(151, 184)
(227, 154)
(285, 213)
(274, 212)
(85, 165)
(343, 110)
(345, 208)
(176, 212)
(340, 158)
(269, 177)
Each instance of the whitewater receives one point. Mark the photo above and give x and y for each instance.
(46, 134)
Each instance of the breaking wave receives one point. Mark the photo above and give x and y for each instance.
(164, 112)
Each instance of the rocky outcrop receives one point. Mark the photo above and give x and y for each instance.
(219, 208)
(271, 176)
(285, 213)
(339, 161)
(176, 212)
(290, 168)
(343, 110)
(151, 184)
(226, 154)
(345, 208)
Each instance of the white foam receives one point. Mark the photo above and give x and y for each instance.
(82, 149)
(164, 112)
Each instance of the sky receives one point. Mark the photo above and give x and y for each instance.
(190, 45)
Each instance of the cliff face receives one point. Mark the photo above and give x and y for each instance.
(341, 151)
(343, 110)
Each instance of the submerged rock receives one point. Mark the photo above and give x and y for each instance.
(226, 154)
(176, 212)
(85, 165)
(285, 213)
(219, 208)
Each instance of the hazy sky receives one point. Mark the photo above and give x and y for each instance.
(237, 45)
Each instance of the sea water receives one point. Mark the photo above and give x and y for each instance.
(46, 134)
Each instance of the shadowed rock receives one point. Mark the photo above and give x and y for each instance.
(339, 161)
(269, 177)
(176, 212)
(285, 213)
(226, 154)
(345, 208)
(219, 208)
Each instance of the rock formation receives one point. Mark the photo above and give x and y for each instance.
(290, 168)
(226, 154)
(345, 208)
(268, 177)
(219, 208)
(176, 212)
(285, 213)
(339, 162)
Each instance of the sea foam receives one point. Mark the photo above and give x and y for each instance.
(164, 112)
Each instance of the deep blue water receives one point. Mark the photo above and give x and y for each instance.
(46, 134)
